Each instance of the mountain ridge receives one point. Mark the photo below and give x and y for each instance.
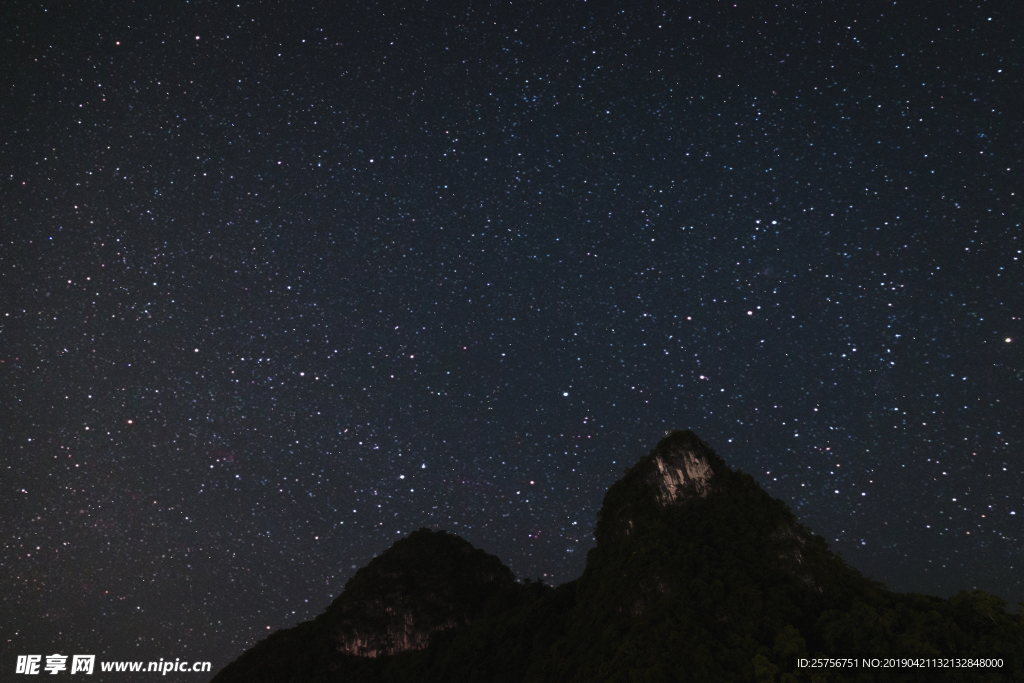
(697, 574)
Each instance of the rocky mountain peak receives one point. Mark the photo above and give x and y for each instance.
(679, 469)
(427, 582)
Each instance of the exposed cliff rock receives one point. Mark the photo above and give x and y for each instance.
(679, 469)
(682, 469)
(427, 582)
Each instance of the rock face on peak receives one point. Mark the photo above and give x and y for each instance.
(697, 575)
(681, 468)
(427, 582)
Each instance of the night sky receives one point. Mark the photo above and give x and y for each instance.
(279, 285)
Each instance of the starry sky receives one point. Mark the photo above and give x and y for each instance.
(281, 283)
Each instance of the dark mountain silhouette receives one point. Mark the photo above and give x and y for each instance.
(697, 575)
